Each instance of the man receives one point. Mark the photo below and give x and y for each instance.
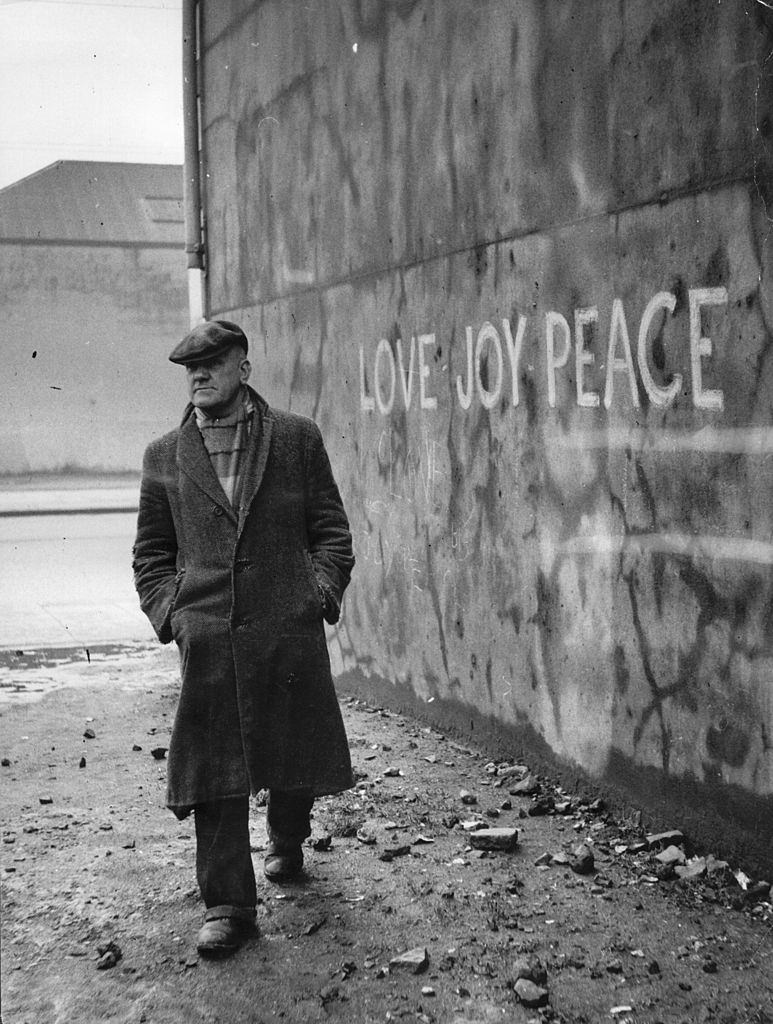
(242, 548)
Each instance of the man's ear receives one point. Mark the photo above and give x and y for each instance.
(245, 370)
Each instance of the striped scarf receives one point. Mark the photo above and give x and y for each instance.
(226, 441)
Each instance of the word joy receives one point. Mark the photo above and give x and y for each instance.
(490, 354)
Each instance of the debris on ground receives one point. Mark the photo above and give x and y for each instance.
(529, 994)
(582, 861)
(495, 839)
(526, 786)
(109, 955)
(413, 960)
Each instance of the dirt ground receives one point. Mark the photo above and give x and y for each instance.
(92, 857)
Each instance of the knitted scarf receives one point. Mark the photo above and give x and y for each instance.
(226, 442)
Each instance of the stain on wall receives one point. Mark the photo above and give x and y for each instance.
(516, 261)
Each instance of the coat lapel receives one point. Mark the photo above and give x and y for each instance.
(193, 460)
(257, 455)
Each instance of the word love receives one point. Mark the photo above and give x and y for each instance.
(493, 361)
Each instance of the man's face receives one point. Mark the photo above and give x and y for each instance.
(213, 385)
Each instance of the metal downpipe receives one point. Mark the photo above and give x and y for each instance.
(194, 236)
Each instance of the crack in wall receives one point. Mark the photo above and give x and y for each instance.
(656, 704)
(435, 597)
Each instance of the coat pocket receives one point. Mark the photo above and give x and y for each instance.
(173, 604)
(313, 581)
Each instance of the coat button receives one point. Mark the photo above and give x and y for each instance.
(242, 565)
(217, 510)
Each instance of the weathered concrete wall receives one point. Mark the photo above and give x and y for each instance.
(86, 332)
(516, 261)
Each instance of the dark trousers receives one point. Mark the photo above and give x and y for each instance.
(223, 861)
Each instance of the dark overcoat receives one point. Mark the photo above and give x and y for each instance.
(243, 592)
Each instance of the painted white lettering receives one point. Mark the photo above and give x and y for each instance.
(661, 397)
(618, 330)
(488, 333)
(552, 321)
(465, 395)
(514, 351)
(583, 358)
(700, 347)
(425, 401)
(406, 380)
(367, 403)
(384, 349)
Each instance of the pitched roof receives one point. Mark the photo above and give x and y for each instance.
(95, 202)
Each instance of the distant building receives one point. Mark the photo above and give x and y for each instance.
(92, 297)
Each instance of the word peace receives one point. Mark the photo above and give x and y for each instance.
(394, 370)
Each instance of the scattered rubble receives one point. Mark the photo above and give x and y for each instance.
(472, 825)
(671, 855)
(413, 960)
(526, 787)
(531, 968)
(540, 806)
(672, 838)
(695, 867)
(109, 955)
(529, 994)
(582, 861)
(394, 851)
(495, 839)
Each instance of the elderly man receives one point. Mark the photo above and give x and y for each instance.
(242, 549)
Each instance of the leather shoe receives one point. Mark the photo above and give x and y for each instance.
(224, 930)
(282, 862)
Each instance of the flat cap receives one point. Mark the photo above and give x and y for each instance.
(208, 340)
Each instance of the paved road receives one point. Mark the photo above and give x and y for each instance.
(66, 580)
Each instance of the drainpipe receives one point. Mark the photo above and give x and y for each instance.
(194, 240)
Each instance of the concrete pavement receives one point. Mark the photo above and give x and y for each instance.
(66, 493)
(65, 563)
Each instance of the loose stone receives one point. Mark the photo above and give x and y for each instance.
(503, 839)
(413, 960)
(530, 994)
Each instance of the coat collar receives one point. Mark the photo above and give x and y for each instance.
(257, 454)
(193, 460)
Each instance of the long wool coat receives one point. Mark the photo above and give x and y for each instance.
(239, 591)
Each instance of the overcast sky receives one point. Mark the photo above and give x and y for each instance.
(89, 80)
